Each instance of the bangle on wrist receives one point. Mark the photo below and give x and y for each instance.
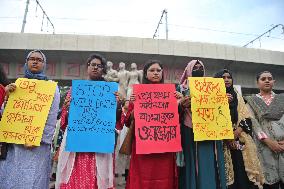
(262, 136)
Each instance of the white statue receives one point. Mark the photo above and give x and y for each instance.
(135, 77)
(122, 79)
(111, 74)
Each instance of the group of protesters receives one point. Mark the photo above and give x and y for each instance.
(253, 159)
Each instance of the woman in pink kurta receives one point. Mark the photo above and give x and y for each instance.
(151, 171)
(86, 170)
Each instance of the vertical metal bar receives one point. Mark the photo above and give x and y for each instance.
(25, 17)
(167, 29)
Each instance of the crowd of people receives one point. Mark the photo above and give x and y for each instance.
(253, 159)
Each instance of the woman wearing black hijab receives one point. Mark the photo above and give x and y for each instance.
(243, 169)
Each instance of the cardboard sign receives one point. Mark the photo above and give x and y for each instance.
(26, 112)
(210, 109)
(92, 117)
(157, 128)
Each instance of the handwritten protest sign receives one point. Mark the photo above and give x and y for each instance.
(92, 117)
(210, 109)
(156, 119)
(26, 111)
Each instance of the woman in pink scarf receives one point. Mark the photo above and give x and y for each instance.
(199, 167)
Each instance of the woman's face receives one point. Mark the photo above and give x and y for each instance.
(197, 70)
(197, 66)
(227, 79)
(265, 82)
(35, 62)
(95, 69)
(126, 105)
(154, 73)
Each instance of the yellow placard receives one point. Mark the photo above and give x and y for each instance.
(211, 117)
(26, 111)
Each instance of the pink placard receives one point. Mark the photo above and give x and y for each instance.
(157, 127)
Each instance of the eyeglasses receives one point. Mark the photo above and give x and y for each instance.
(96, 65)
(35, 59)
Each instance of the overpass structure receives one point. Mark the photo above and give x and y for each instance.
(66, 55)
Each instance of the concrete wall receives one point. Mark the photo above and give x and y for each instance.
(67, 53)
(138, 45)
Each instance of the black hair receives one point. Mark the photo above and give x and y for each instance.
(260, 73)
(3, 77)
(147, 66)
(59, 114)
(233, 105)
(220, 73)
(99, 57)
(123, 102)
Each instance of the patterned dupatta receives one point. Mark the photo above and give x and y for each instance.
(250, 157)
(272, 112)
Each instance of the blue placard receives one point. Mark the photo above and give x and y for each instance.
(92, 117)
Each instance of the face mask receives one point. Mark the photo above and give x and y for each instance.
(197, 73)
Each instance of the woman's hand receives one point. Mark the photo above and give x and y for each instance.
(231, 144)
(230, 97)
(281, 143)
(29, 146)
(117, 131)
(10, 88)
(118, 96)
(185, 102)
(178, 95)
(237, 132)
(132, 97)
(67, 103)
(274, 145)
